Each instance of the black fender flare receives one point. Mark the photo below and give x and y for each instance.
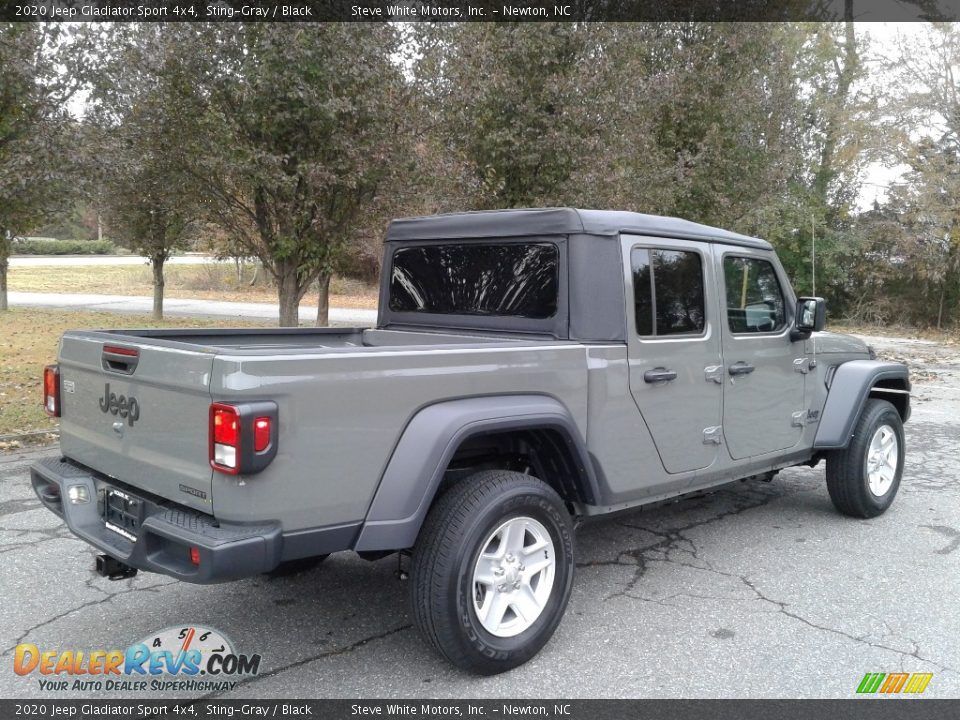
(850, 387)
(428, 443)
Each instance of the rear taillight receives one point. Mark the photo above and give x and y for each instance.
(225, 438)
(243, 436)
(51, 390)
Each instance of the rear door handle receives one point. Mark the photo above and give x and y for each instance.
(659, 375)
(741, 368)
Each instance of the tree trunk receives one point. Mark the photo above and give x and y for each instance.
(157, 263)
(289, 295)
(5, 249)
(3, 283)
(323, 301)
(943, 294)
(256, 274)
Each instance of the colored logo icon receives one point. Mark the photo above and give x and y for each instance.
(894, 683)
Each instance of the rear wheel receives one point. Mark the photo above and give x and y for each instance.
(864, 478)
(492, 570)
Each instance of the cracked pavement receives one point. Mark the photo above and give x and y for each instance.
(755, 590)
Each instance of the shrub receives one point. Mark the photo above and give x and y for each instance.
(49, 246)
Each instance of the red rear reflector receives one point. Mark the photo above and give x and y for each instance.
(51, 390)
(114, 350)
(195, 556)
(261, 434)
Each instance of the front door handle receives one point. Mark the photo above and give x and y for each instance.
(659, 375)
(741, 368)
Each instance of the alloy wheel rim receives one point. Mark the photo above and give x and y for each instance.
(883, 454)
(513, 576)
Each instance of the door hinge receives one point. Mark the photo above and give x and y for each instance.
(712, 435)
(799, 418)
(801, 365)
(713, 372)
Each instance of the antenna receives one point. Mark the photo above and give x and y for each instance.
(813, 253)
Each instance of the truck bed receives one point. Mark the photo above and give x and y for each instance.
(344, 397)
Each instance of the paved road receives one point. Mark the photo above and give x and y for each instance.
(187, 308)
(61, 260)
(756, 590)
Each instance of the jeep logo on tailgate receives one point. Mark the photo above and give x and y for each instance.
(125, 407)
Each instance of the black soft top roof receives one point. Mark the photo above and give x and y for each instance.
(559, 221)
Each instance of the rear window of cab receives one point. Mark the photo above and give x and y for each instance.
(487, 279)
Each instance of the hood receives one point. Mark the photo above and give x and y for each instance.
(828, 342)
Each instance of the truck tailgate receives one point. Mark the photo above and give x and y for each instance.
(137, 410)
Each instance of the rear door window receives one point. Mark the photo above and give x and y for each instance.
(668, 292)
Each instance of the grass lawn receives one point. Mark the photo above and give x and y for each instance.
(214, 281)
(28, 341)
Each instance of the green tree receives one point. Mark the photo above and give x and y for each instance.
(294, 128)
(929, 250)
(926, 95)
(148, 205)
(35, 129)
(510, 102)
(137, 171)
(702, 120)
(840, 114)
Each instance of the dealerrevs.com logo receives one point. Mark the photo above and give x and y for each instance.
(191, 659)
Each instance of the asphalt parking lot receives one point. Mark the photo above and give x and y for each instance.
(756, 590)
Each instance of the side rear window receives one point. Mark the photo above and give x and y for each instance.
(755, 301)
(498, 279)
(668, 292)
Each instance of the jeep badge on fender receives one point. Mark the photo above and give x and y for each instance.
(125, 407)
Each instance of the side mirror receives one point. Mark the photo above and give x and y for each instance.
(811, 315)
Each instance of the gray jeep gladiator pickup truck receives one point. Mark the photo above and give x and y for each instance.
(529, 369)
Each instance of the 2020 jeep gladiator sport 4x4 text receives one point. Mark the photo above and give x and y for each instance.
(529, 368)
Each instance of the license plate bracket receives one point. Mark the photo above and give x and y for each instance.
(122, 513)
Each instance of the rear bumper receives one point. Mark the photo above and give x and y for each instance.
(165, 532)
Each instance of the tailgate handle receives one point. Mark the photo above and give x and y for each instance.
(119, 359)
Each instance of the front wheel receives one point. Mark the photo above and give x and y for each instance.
(864, 478)
(492, 570)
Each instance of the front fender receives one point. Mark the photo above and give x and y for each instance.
(849, 390)
(429, 442)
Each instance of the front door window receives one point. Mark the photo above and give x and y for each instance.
(754, 296)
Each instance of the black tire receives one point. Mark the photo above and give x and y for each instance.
(848, 470)
(295, 567)
(447, 551)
